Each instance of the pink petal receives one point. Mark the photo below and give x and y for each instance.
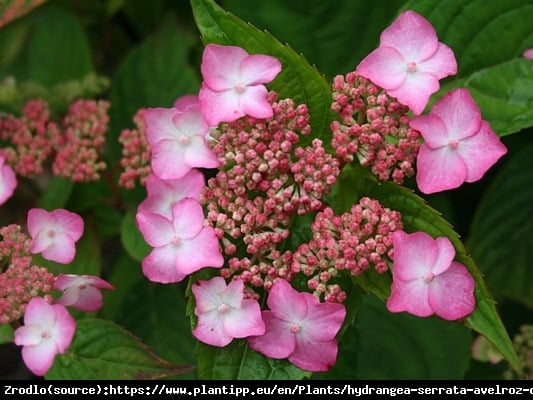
(451, 294)
(439, 169)
(64, 328)
(445, 255)
(39, 359)
(168, 159)
(207, 294)
(278, 341)
(410, 296)
(480, 152)
(432, 129)
(187, 218)
(160, 124)
(385, 67)
(221, 66)
(28, 335)
(254, 102)
(259, 68)
(39, 312)
(38, 219)
(416, 90)
(210, 329)
(221, 106)
(459, 113)
(314, 356)
(198, 155)
(414, 255)
(286, 303)
(528, 54)
(88, 299)
(323, 320)
(233, 294)
(245, 321)
(8, 181)
(191, 122)
(441, 64)
(156, 229)
(70, 224)
(184, 102)
(412, 35)
(199, 252)
(160, 265)
(61, 250)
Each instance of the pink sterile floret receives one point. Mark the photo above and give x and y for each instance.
(182, 245)
(233, 83)
(81, 291)
(458, 147)
(528, 53)
(300, 328)
(409, 61)
(8, 181)
(54, 233)
(178, 141)
(223, 312)
(426, 280)
(48, 330)
(164, 194)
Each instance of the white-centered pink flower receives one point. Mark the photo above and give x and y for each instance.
(82, 292)
(48, 330)
(178, 141)
(54, 233)
(233, 83)
(426, 280)
(458, 145)
(8, 181)
(300, 328)
(223, 312)
(409, 61)
(162, 195)
(181, 245)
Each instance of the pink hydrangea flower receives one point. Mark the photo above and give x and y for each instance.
(54, 234)
(164, 194)
(459, 146)
(409, 61)
(8, 181)
(426, 280)
(182, 245)
(528, 53)
(299, 328)
(82, 292)
(184, 102)
(48, 330)
(223, 312)
(233, 83)
(178, 141)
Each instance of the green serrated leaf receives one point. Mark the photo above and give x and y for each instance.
(58, 49)
(103, 350)
(297, 80)
(132, 239)
(238, 361)
(154, 74)
(418, 216)
(386, 346)
(501, 234)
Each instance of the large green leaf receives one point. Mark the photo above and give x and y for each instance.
(154, 74)
(382, 345)
(238, 361)
(488, 39)
(103, 350)
(418, 216)
(334, 36)
(501, 234)
(132, 239)
(297, 80)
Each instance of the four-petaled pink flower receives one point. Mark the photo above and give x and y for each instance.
(458, 145)
(409, 61)
(233, 83)
(48, 330)
(8, 181)
(164, 194)
(54, 234)
(426, 280)
(223, 312)
(299, 328)
(178, 141)
(182, 245)
(81, 291)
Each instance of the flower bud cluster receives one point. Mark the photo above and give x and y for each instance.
(374, 127)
